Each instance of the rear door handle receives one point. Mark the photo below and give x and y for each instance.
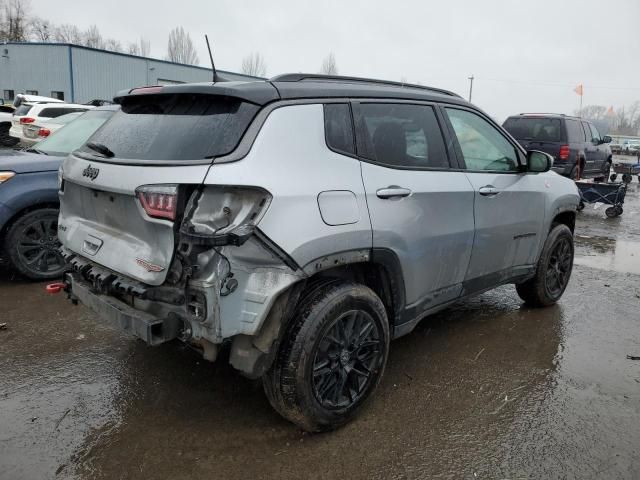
(488, 191)
(392, 192)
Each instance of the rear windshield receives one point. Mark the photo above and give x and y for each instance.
(179, 127)
(55, 112)
(535, 128)
(22, 110)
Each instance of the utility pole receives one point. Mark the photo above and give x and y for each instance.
(470, 87)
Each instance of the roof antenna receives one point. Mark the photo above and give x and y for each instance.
(213, 65)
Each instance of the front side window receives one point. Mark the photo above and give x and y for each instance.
(402, 135)
(483, 146)
(338, 127)
(594, 133)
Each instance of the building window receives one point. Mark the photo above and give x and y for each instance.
(58, 95)
(9, 95)
(32, 92)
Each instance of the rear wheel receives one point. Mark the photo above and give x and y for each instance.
(553, 270)
(332, 357)
(32, 245)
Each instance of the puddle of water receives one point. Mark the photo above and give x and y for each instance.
(620, 256)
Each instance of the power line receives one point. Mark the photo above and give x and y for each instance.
(552, 84)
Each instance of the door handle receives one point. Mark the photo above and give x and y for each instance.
(488, 191)
(392, 192)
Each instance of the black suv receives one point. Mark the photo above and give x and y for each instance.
(575, 143)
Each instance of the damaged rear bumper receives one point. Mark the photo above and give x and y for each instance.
(147, 327)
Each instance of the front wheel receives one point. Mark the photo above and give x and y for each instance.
(32, 245)
(331, 358)
(553, 270)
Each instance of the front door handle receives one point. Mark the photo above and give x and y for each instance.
(488, 191)
(392, 192)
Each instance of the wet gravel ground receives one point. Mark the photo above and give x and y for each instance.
(486, 389)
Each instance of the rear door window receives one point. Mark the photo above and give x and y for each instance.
(401, 135)
(338, 128)
(538, 129)
(575, 133)
(483, 146)
(178, 127)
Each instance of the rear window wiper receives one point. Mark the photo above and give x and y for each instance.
(100, 148)
(35, 150)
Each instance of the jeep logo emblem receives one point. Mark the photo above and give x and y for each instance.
(90, 172)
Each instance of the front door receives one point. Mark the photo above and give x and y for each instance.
(509, 204)
(421, 210)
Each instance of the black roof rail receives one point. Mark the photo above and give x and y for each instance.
(299, 77)
(544, 113)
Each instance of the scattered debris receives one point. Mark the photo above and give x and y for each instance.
(33, 419)
(478, 355)
(408, 376)
(3, 326)
(62, 418)
(633, 357)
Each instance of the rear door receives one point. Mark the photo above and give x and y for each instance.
(159, 144)
(537, 133)
(421, 208)
(509, 204)
(601, 149)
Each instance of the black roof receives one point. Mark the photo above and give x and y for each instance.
(302, 86)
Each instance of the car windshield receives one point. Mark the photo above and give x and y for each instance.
(534, 128)
(75, 134)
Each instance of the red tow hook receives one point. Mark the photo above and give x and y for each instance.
(55, 287)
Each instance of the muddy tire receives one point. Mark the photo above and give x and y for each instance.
(31, 245)
(332, 356)
(553, 270)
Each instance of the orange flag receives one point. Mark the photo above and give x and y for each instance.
(579, 89)
(610, 111)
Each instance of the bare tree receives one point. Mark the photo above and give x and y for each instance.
(93, 37)
(67, 33)
(113, 45)
(329, 66)
(41, 29)
(253, 64)
(14, 23)
(180, 48)
(141, 48)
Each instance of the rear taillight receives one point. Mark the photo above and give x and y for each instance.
(44, 132)
(24, 120)
(564, 152)
(159, 201)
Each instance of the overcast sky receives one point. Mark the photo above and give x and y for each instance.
(526, 56)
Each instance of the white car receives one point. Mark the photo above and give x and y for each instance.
(631, 146)
(28, 113)
(35, 132)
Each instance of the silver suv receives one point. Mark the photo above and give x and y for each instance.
(305, 221)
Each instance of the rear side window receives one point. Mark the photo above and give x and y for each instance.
(594, 133)
(535, 128)
(402, 135)
(178, 127)
(338, 128)
(575, 133)
(55, 112)
(22, 110)
(74, 135)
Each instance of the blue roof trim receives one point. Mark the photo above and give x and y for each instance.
(82, 47)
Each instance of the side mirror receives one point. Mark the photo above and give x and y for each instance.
(538, 161)
(606, 139)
